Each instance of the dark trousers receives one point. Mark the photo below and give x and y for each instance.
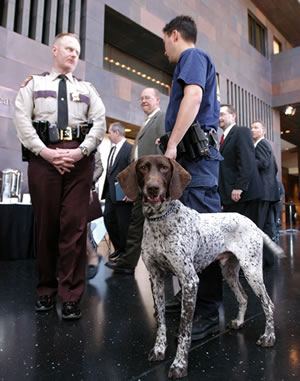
(60, 204)
(210, 291)
(247, 208)
(135, 235)
(266, 222)
(117, 219)
(266, 217)
(202, 195)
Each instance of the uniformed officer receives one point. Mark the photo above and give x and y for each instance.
(60, 171)
(194, 98)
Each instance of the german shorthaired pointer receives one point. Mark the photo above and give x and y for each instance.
(183, 241)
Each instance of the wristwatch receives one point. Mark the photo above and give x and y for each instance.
(84, 150)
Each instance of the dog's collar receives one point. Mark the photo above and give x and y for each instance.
(170, 209)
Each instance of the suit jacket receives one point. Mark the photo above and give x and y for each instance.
(154, 129)
(122, 160)
(238, 170)
(268, 169)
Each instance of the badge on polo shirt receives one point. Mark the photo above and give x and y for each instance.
(27, 80)
(75, 96)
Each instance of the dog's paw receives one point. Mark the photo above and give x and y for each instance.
(266, 340)
(177, 372)
(235, 324)
(156, 355)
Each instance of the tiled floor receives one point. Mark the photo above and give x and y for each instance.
(112, 340)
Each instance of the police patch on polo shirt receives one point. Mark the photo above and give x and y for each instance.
(27, 80)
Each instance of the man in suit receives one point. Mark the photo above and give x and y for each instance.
(268, 169)
(152, 128)
(240, 185)
(117, 212)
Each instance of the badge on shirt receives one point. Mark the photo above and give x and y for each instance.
(75, 96)
(27, 80)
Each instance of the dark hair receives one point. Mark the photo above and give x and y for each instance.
(230, 108)
(185, 25)
(118, 127)
(260, 122)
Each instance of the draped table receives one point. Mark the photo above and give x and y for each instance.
(17, 232)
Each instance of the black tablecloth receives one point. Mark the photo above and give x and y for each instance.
(17, 233)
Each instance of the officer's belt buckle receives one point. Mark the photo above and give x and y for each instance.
(66, 134)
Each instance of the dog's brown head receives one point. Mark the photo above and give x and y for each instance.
(156, 176)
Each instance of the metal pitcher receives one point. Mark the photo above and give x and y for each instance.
(11, 184)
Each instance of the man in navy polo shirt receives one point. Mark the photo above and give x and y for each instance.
(194, 98)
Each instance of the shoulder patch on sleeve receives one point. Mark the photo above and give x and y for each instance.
(94, 88)
(27, 80)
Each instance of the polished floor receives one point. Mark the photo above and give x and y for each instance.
(112, 340)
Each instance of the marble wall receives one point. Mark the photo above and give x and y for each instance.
(222, 32)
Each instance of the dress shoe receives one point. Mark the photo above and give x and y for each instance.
(114, 254)
(92, 270)
(173, 304)
(204, 326)
(120, 268)
(45, 303)
(71, 311)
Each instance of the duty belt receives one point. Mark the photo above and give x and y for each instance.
(51, 133)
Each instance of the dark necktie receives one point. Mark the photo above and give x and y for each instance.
(110, 160)
(62, 103)
(222, 140)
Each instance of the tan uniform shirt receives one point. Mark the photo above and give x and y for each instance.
(37, 100)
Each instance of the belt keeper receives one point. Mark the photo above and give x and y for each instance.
(77, 132)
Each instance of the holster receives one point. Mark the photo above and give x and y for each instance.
(195, 143)
(164, 143)
(83, 129)
(41, 127)
(25, 153)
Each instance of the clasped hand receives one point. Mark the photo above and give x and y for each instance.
(62, 159)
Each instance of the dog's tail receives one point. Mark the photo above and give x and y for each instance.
(277, 250)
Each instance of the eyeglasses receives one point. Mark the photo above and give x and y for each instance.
(146, 98)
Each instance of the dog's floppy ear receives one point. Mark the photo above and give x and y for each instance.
(180, 179)
(128, 181)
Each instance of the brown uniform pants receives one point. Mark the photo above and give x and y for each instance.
(60, 204)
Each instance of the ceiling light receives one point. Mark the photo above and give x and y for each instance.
(290, 111)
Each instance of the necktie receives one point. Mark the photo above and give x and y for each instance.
(222, 140)
(62, 103)
(110, 160)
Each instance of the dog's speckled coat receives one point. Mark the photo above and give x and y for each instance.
(183, 241)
